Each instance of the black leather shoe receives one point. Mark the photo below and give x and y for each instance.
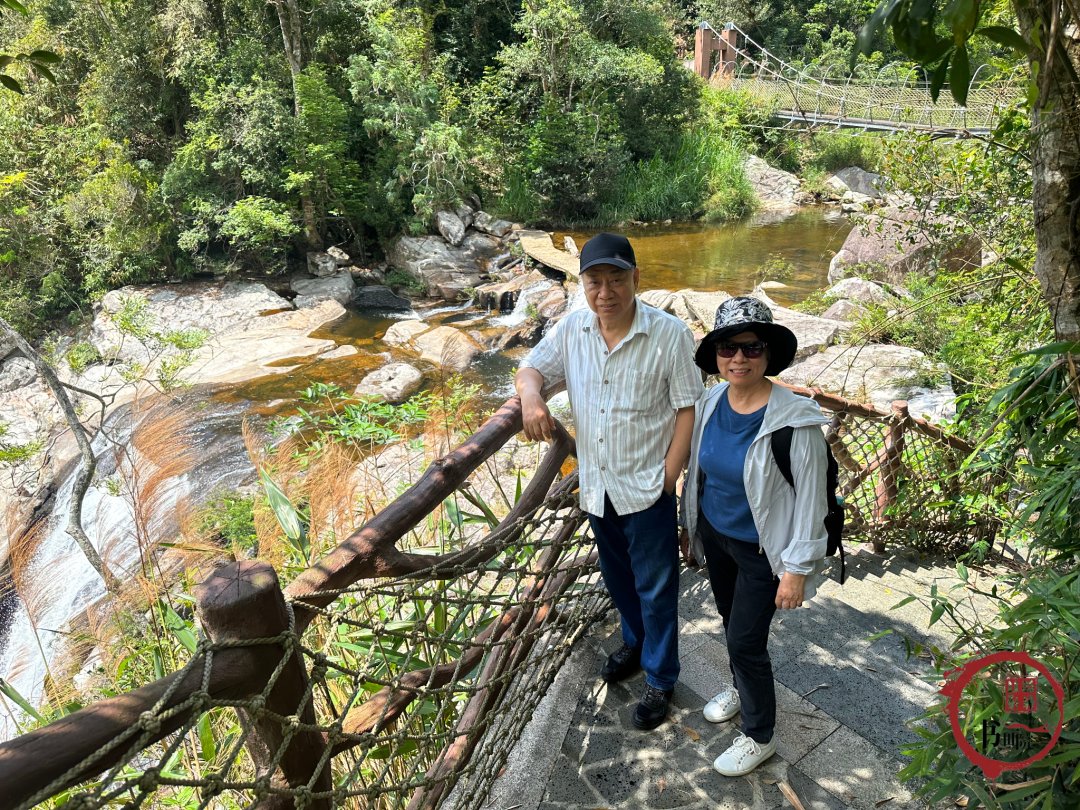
(621, 664)
(653, 709)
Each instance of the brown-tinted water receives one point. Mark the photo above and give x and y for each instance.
(674, 257)
(729, 257)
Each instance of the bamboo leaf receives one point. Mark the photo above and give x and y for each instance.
(206, 738)
(960, 75)
(177, 626)
(1004, 36)
(287, 516)
(12, 694)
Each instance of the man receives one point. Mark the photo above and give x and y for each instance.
(630, 373)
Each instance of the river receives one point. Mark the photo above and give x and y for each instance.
(678, 256)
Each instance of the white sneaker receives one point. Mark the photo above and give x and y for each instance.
(743, 756)
(723, 707)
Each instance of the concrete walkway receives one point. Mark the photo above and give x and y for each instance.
(843, 701)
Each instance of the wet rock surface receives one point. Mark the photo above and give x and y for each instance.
(394, 382)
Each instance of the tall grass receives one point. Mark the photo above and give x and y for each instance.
(703, 176)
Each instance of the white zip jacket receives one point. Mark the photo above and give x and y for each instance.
(790, 523)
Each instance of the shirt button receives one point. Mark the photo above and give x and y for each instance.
(601, 441)
(605, 353)
(602, 469)
(601, 410)
(605, 382)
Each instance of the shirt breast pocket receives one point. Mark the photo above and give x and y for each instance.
(639, 392)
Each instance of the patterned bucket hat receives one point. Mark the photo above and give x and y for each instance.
(745, 314)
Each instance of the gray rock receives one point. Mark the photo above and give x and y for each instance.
(7, 346)
(702, 306)
(338, 287)
(874, 247)
(442, 267)
(321, 264)
(860, 290)
(345, 350)
(465, 214)
(395, 382)
(845, 310)
(775, 188)
(553, 305)
(216, 308)
(367, 278)
(861, 181)
(403, 333)
(380, 297)
(340, 257)
(570, 245)
(447, 347)
(16, 372)
(503, 296)
(483, 221)
(450, 226)
(878, 372)
(526, 334)
(814, 334)
(661, 299)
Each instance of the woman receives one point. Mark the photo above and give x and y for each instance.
(763, 541)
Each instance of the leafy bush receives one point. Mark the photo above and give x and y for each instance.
(230, 519)
(831, 151)
(81, 356)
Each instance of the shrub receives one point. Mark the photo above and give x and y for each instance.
(81, 356)
(831, 151)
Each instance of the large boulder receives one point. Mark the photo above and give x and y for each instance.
(860, 181)
(311, 292)
(878, 372)
(845, 310)
(443, 269)
(380, 297)
(483, 221)
(895, 242)
(775, 188)
(16, 373)
(701, 306)
(395, 382)
(450, 226)
(7, 346)
(503, 296)
(215, 308)
(403, 332)
(527, 334)
(321, 264)
(553, 305)
(340, 257)
(465, 214)
(860, 290)
(368, 277)
(447, 347)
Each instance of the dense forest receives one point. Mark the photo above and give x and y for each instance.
(224, 137)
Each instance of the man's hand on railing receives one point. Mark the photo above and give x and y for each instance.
(537, 419)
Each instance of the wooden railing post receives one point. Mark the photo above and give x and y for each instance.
(885, 493)
(703, 48)
(242, 602)
(728, 49)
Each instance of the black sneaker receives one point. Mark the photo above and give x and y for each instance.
(621, 664)
(653, 708)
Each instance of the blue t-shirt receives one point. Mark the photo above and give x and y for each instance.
(722, 457)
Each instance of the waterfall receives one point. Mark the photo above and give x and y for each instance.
(530, 294)
(67, 584)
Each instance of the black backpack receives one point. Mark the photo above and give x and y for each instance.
(834, 518)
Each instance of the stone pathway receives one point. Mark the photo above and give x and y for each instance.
(843, 700)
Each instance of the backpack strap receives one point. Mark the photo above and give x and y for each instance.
(781, 450)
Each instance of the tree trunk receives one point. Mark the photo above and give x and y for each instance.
(89, 461)
(1055, 157)
(288, 12)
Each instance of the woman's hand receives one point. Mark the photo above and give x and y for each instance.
(684, 547)
(790, 593)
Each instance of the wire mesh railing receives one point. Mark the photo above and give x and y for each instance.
(391, 678)
(893, 97)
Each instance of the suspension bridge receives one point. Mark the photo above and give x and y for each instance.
(892, 98)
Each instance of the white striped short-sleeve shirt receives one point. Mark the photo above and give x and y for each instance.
(623, 401)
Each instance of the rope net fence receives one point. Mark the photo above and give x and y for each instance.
(383, 678)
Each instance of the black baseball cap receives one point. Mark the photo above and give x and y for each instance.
(607, 248)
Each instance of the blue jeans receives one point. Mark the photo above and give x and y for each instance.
(639, 559)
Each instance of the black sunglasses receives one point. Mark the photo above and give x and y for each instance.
(751, 350)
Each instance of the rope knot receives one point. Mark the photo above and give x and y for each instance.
(214, 786)
(148, 782)
(262, 788)
(201, 700)
(302, 796)
(292, 722)
(256, 705)
(150, 722)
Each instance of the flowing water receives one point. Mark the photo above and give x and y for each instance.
(679, 256)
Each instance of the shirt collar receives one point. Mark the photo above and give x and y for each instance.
(641, 323)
